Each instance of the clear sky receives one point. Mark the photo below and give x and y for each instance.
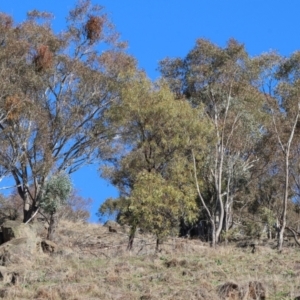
(156, 29)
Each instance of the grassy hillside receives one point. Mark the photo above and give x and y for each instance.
(91, 262)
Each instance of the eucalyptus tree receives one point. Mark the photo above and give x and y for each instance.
(55, 90)
(284, 107)
(223, 80)
(155, 135)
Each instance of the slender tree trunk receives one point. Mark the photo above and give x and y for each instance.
(131, 238)
(277, 229)
(219, 164)
(209, 213)
(269, 232)
(221, 218)
(52, 226)
(226, 218)
(226, 225)
(220, 204)
(285, 200)
(213, 234)
(228, 204)
(158, 242)
(286, 151)
(227, 215)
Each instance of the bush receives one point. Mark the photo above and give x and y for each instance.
(56, 193)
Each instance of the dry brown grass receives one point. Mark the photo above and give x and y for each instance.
(92, 263)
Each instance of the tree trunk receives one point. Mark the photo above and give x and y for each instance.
(285, 200)
(210, 214)
(269, 232)
(221, 214)
(225, 223)
(28, 208)
(213, 234)
(131, 238)
(158, 242)
(52, 226)
(227, 207)
(27, 212)
(227, 217)
(286, 151)
(280, 238)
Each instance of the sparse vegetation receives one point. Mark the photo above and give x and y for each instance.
(91, 262)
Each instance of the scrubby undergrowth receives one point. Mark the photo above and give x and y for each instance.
(91, 262)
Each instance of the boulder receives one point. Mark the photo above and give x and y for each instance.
(112, 225)
(229, 291)
(20, 243)
(8, 276)
(257, 291)
(40, 228)
(48, 246)
(19, 250)
(16, 229)
(254, 290)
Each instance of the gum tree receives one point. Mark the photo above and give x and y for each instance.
(284, 108)
(155, 135)
(222, 80)
(55, 90)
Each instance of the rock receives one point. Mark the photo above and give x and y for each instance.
(16, 229)
(40, 228)
(18, 250)
(111, 229)
(174, 263)
(112, 225)
(48, 246)
(3, 293)
(20, 243)
(8, 276)
(257, 291)
(254, 290)
(229, 291)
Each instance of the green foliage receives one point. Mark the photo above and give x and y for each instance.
(252, 228)
(152, 167)
(116, 208)
(56, 193)
(267, 216)
(155, 131)
(232, 234)
(109, 207)
(156, 205)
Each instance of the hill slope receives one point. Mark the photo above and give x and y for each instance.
(91, 262)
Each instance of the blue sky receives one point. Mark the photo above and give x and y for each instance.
(159, 28)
